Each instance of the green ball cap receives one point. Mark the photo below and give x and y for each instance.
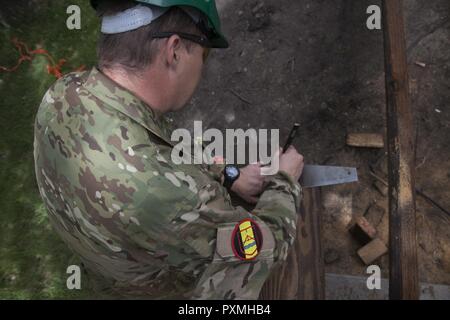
(208, 7)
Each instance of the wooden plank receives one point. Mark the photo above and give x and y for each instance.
(404, 282)
(282, 284)
(311, 280)
(365, 140)
(302, 276)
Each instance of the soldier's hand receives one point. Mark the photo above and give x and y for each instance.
(291, 162)
(250, 183)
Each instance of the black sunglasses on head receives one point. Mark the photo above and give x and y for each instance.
(201, 40)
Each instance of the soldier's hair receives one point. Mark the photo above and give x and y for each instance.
(134, 50)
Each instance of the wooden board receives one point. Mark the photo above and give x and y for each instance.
(365, 140)
(403, 279)
(302, 276)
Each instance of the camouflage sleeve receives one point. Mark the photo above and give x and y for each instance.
(227, 276)
(195, 228)
(216, 170)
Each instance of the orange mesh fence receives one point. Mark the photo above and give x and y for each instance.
(28, 55)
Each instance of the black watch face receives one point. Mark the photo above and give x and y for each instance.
(231, 171)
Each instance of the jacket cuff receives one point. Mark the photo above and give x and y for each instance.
(294, 187)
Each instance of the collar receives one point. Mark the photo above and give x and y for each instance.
(124, 101)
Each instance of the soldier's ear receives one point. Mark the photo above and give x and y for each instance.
(172, 50)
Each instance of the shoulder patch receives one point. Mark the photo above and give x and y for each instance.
(245, 240)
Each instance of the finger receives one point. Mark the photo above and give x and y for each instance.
(261, 185)
(260, 180)
(256, 188)
(251, 199)
(291, 149)
(277, 154)
(267, 171)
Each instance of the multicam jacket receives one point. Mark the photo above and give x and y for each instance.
(149, 227)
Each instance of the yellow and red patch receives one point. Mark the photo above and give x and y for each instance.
(246, 240)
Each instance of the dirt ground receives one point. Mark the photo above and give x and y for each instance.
(315, 62)
(307, 61)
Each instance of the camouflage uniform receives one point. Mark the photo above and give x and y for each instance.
(151, 228)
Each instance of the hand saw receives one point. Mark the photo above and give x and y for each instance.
(318, 176)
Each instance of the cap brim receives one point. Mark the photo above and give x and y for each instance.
(219, 42)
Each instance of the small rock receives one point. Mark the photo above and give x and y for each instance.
(230, 117)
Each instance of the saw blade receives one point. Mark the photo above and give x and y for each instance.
(318, 176)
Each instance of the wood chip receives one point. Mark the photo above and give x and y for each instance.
(420, 64)
(372, 251)
(381, 188)
(362, 230)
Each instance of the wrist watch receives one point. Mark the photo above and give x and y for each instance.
(231, 174)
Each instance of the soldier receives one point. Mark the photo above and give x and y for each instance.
(146, 226)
